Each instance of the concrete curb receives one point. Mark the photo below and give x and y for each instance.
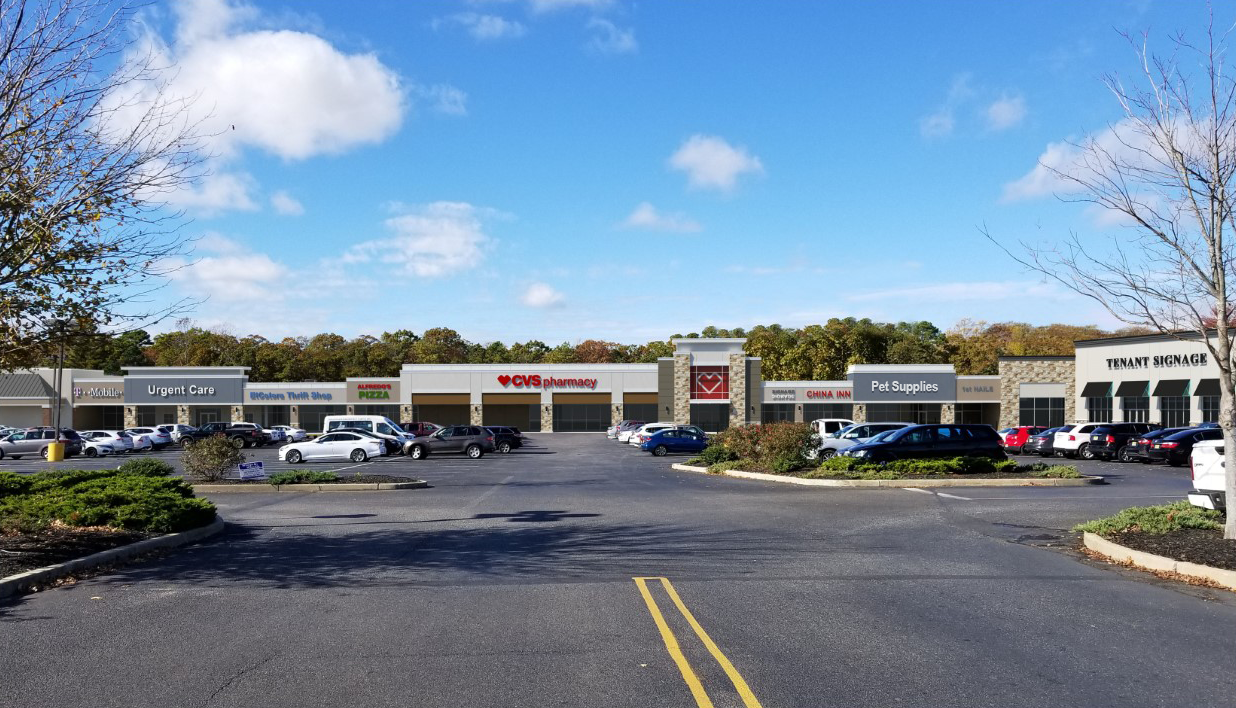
(343, 487)
(1149, 561)
(872, 483)
(15, 584)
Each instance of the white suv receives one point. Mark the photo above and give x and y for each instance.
(1209, 480)
(1074, 440)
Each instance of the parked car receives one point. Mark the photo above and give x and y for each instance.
(1074, 440)
(644, 432)
(291, 433)
(1138, 449)
(387, 448)
(506, 438)
(612, 431)
(933, 440)
(1016, 440)
(34, 441)
(158, 438)
(338, 445)
(1111, 442)
(119, 440)
(1041, 443)
(176, 430)
(276, 435)
(828, 426)
(471, 440)
(396, 437)
(1175, 449)
(850, 436)
(241, 434)
(1207, 470)
(626, 430)
(141, 443)
(420, 428)
(674, 440)
(96, 448)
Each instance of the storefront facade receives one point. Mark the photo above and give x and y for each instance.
(1150, 379)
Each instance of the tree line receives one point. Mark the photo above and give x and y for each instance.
(811, 353)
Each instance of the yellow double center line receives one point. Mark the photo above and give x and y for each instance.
(671, 644)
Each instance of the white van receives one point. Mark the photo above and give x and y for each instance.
(379, 425)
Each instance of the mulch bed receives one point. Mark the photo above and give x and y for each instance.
(28, 551)
(1201, 546)
(989, 475)
(343, 479)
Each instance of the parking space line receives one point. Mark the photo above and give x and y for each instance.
(953, 496)
(916, 489)
(671, 644)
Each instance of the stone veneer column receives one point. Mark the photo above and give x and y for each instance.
(294, 416)
(738, 389)
(1015, 373)
(130, 416)
(351, 410)
(615, 413)
(405, 413)
(682, 389)
(238, 413)
(547, 417)
(948, 413)
(477, 415)
(182, 415)
(859, 413)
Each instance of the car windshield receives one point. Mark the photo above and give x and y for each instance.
(842, 431)
(880, 437)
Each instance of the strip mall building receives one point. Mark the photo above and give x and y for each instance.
(707, 382)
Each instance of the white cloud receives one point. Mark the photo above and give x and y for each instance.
(286, 204)
(712, 163)
(541, 295)
(1122, 141)
(215, 193)
(940, 123)
(433, 240)
(230, 273)
(552, 5)
(1006, 112)
(647, 217)
(445, 99)
(608, 38)
(483, 27)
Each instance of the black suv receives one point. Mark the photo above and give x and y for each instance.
(472, 440)
(933, 440)
(241, 434)
(506, 438)
(1111, 441)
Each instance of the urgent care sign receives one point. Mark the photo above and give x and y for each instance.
(529, 381)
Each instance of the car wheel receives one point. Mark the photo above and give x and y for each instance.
(238, 442)
(359, 455)
(43, 453)
(1124, 455)
(504, 447)
(1, 454)
(659, 451)
(475, 451)
(828, 454)
(293, 456)
(16, 457)
(417, 452)
(1084, 452)
(91, 452)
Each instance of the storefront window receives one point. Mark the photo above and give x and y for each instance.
(1047, 412)
(1210, 409)
(1136, 409)
(778, 412)
(903, 412)
(815, 411)
(646, 412)
(581, 417)
(713, 417)
(1099, 408)
(1174, 411)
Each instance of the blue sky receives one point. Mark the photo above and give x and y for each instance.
(570, 169)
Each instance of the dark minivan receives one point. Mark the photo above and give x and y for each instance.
(933, 440)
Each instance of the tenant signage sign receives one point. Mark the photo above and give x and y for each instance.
(528, 381)
(1162, 361)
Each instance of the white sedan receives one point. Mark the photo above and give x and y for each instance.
(294, 434)
(119, 440)
(333, 446)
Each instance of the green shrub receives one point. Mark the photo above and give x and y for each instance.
(715, 453)
(125, 501)
(720, 467)
(766, 443)
(1161, 519)
(303, 477)
(13, 483)
(211, 458)
(146, 467)
(788, 464)
(857, 468)
(1054, 471)
(841, 464)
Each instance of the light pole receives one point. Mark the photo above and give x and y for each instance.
(55, 453)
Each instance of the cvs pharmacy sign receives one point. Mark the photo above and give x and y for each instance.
(538, 381)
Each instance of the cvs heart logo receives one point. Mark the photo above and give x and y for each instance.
(504, 379)
(709, 383)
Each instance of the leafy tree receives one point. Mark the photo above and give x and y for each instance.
(440, 345)
(531, 352)
(562, 354)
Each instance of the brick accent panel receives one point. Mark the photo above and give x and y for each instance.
(738, 389)
(1013, 373)
(682, 389)
(948, 413)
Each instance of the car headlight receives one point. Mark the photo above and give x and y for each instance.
(861, 453)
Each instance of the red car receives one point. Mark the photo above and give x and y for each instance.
(1015, 440)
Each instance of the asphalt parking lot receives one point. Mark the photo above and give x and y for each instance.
(536, 579)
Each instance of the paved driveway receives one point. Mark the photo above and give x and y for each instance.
(535, 579)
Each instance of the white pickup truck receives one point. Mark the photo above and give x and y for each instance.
(1206, 465)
